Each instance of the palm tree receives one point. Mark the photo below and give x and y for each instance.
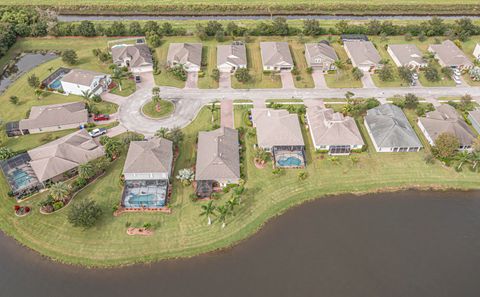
(157, 100)
(208, 210)
(162, 132)
(118, 74)
(38, 94)
(340, 66)
(475, 160)
(212, 109)
(231, 203)
(222, 215)
(175, 135)
(59, 190)
(112, 148)
(462, 158)
(86, 170)
(155, 91)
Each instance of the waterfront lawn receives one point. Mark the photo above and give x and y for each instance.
(166, 108)
(128, 88)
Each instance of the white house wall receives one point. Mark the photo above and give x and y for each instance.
(146, 176)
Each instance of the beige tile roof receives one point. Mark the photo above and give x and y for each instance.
(55, 115)
(445, 119)
(407, 53)
(182, 53)
(152, 156)
(63, 154)
(235, 54)
(321, 50)
(139, 54)
(276, 127)
(362, 52)
(81, 77)
(332, 128)
(450, 54)
(276, 53)
(218, 156)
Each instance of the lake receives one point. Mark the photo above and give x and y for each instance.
(397, 244)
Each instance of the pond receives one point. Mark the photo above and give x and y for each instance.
(424, 244)
(25, 63)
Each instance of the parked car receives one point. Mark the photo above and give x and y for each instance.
(138, 79)
(98, 132)
(101, 117)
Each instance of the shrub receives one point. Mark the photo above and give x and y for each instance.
(179, 72)
(5, 153)
(242, 75)
(446, 146)
(84, 214)
(57, 205)
(70, 57)
(14, 100)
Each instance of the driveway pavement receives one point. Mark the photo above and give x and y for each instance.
(225, 81)
(367, 80)
(117, 130)
(287, 80)
(226, 114)
(192, 80)
(319, 79)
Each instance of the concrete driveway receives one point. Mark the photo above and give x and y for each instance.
(225, 81)
(192, 80)
(226, 114)
(287, 80)
(319, 79)
(367, 80)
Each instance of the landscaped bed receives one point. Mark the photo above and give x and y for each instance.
(158, 110)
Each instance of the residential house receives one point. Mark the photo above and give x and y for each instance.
(48, 118)
(320, 56)
(137, 57)
(445, 119)
(218, 160)
(231, 57)
(476, 51)
(407, 55)
(332, 131)
(390, 131)
(57, 159)
(78, 82)
(276, 56)
(474, 118)
(363, 55)
(354, 37)
(279, 133)
(147, 171)
(449, 55)
(189, 55)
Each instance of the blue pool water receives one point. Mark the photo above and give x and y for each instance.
(21, 178)
(56, 84)
(147, 200)
(289, 162)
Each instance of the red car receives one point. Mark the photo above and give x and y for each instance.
(101, 117)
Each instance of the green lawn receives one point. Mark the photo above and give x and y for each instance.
(342, 78)
(27, 142)
(184, 233)
(106, 107)
(166, 108)
(128, 88)
(209, 51)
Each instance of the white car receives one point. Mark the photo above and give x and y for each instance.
(98, 132)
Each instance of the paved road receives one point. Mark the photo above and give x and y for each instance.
(189, 101)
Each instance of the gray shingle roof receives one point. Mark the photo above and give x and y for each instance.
(235, 54)
(450, 54)
(152, 156)
(362, 52)
(275, 53)
(445, 119)
(407, 53)
(55, 115)
(390, 127)
(321, 50)
(332, 128)
(276, 127)
(139, 54)
(182, 53)
(81, 77)
(218, 156)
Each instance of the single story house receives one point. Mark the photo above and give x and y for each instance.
(332, 131)
(320, 56)
(407, 55)
(476, 51)
(189, 55)
(279, 133)
(363, 55)
(231, 57)
(48, 118)
(276, 56)
(449, 55)
(147, 171)
(474, 118)
(218, 160)
(137, 57)
(390, 131)
(445, 119)
(78, 81)
(53, 160)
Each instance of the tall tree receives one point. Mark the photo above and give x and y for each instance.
(208, 210)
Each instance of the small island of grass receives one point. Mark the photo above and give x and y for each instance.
(158, 109)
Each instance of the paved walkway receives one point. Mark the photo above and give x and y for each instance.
(367, 80)
(225, 81)
(287, 80)
(226, 114)
(192, 80)
(117, 130)
(319, 79)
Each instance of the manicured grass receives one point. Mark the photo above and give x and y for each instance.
(184, 232)
(105, 107)
(298, 53)
(128, 88)
(27, 142)
(342, 78)
(166, 108)
(209, 51)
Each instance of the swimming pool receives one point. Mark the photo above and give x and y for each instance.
(56, 84)
(21, 178)
(289, 161)
(144, 200)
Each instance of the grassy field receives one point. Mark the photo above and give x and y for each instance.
(128, 88)
(344, 78)
(184, 233)
(166, 108)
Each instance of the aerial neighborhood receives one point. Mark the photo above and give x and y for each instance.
(167, 131)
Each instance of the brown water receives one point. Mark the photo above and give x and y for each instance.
(401, 244)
